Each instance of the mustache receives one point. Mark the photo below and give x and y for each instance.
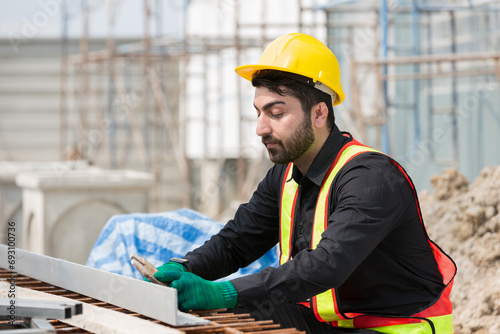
(269, 139)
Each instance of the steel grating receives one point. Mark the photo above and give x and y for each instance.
(219, 321)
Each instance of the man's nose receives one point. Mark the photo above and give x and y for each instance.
(263, 126)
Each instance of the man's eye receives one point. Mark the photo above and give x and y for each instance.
(277, 115)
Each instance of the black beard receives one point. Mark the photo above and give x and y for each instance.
(300, 141)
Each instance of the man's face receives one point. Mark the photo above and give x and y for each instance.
(283, 126)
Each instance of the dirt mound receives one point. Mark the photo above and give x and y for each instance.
(465, 222)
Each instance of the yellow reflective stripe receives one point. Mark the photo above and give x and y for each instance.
(287, 202)
(349, 323)
(326, 304)
(322, 205)
(325, 300)
(443, 325)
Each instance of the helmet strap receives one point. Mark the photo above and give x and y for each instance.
(325, 89)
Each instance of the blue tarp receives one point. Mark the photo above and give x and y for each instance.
(157, 237)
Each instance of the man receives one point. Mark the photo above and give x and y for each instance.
(354, 251)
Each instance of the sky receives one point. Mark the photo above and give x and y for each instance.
(43, 18)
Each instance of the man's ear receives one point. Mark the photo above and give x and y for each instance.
(319, 115)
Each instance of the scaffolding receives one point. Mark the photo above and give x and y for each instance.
(403, 56)
(131, 100)
(128, 105)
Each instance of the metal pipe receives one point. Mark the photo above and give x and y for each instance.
(63, 98)
(440, 74)
(384, 26)
(240, 163)
(431, 59)
(28, 308)
(430, 84)
(454, 95)
(416, 82)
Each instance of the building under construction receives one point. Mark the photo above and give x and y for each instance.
(105, 124)
(420, 78)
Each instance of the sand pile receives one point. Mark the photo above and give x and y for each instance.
(465, 221)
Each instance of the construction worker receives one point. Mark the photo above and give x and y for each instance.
(354, 253)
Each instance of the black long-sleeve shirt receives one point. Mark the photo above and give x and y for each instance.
(374, 252)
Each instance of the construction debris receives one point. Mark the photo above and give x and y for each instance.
(465, 221)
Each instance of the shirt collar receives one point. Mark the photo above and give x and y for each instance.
(317, 171)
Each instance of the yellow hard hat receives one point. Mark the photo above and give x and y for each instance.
(300, 54)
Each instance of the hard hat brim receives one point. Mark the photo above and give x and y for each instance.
(248, 71)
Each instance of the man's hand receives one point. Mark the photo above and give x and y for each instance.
(196, 293)
(170, 267)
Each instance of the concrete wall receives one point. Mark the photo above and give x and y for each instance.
(30, 115)
(29, 101)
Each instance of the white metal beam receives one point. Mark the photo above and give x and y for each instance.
(27, 308)
(152, 300)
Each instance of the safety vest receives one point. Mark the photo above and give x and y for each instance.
(326, 305)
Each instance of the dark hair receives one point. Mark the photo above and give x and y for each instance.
(296, 85)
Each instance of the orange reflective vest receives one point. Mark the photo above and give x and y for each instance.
(438, 316)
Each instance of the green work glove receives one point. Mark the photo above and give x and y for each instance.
(196, 293)
(170, 267)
